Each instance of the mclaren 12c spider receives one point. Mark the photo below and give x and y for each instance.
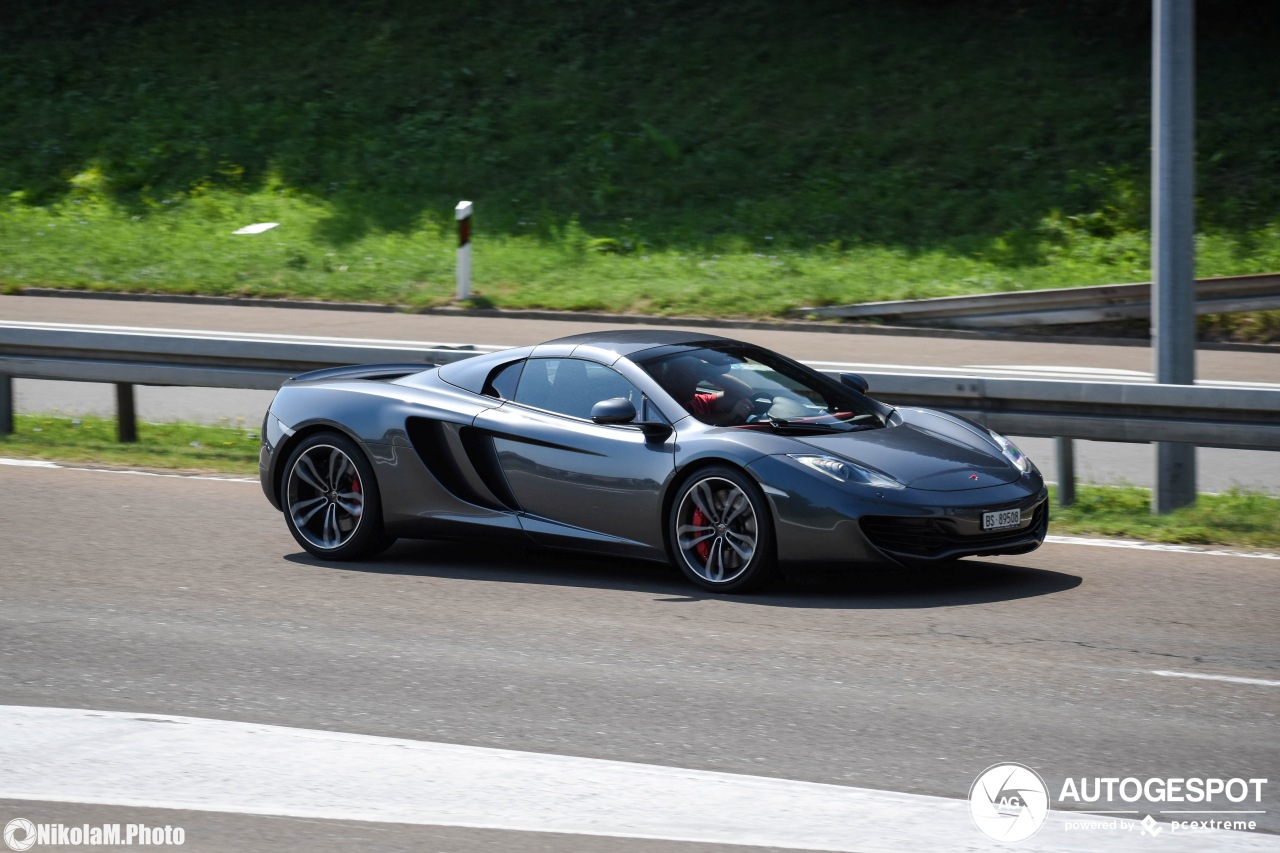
(722, 457)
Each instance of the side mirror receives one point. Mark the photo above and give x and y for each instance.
(618, 410)
(855, 382)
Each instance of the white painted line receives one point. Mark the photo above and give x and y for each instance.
(975, 371)
(969, 371)
(161, 761)
(972, 371)
(1230, 679)
(385, 343)
(1058, 540)
(29, 463)
(1153, 546)
(1054, 368)
(40, 463)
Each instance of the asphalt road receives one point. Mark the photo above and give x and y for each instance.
(188, 597)
(1096, 462)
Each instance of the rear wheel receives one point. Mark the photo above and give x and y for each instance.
(721, 532)
(331, 500)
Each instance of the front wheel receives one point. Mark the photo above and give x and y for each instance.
(721, 532)
(331, 500)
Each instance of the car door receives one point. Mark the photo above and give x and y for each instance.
(577, 481)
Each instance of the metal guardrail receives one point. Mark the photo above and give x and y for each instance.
(1061, 306)
(1105, 411)
(193, 358)
(1246, 418)
(128, 356)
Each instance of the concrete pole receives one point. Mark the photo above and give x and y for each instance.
(1173, 256)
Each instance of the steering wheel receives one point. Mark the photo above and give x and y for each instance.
(760, 406)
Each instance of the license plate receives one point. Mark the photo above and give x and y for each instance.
(1002, 519)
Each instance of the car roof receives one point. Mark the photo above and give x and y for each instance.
(602, 346)
(625, 342)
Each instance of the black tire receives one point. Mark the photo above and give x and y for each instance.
(331, 500)
(721, 531)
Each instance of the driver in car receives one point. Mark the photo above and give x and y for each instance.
(729, 405)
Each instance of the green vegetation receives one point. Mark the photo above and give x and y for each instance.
(230, 449)
(1234, 518)
(669, 156)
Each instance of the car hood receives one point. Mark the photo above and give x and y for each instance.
(927, 451)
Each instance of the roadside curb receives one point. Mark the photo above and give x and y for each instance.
(620, 319)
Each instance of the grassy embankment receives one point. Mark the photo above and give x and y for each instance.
(666, 157)
(1240, 519)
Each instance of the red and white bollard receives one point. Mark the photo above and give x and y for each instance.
(463, 214)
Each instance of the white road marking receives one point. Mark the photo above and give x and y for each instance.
(162, 761)
(1060, 369)
(1033, 371)
(40, 463)
(1154, 546)
(151, 331)
(1058, 540)
(1231, 679)
(29, 463)
(1029, 371)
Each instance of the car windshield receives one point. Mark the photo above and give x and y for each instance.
(744, 386)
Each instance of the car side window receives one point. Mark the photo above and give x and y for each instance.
(571, 386)
(503, 380)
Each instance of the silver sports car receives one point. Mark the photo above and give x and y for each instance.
(722, 457)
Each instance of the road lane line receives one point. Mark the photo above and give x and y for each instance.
(1057, 540)
(997, 371)
(1155, 546)
(153, 331)
(1230, 679)
(40, 463)
(162, 761)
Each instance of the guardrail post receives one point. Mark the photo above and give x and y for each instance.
(126, 413)
(6, 404)
(463, 214)
(1173, 257)
(1066, 472)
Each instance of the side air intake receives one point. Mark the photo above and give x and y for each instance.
(463, 461)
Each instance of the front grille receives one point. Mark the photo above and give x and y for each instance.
(932, 537)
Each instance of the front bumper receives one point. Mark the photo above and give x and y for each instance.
(958, 533)
(817, 521)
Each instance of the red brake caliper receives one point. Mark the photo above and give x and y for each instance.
(704, 547)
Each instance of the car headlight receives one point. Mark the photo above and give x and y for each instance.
(1011, 452)
(843, 471)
